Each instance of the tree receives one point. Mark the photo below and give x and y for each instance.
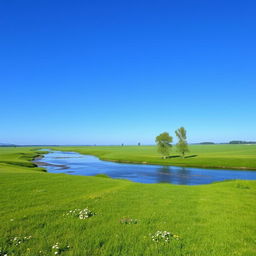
(182, 145)
(164, 145)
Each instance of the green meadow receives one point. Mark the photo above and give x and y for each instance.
(216, 219)
(127, 128)
(205, 156)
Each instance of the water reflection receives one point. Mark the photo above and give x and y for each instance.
(164, 174)
(77, 164)
(178, 175)
(183, 176)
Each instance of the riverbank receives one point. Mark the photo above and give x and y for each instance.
(215, 219)
(88, 165)
(240, 157)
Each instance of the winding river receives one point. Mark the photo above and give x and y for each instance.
(78, 164)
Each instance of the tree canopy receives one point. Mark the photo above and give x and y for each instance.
(182, 145)
(164, 145)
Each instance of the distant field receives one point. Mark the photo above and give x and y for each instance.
(205, 156)
(210, 220)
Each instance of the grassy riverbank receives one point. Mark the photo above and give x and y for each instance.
(205, 156)
(217, 219)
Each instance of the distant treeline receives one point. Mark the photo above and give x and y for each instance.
(231, 142)
(242, 142)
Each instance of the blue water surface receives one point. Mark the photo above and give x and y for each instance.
(78, 164)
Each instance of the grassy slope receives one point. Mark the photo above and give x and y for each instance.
(217, 219)
(208, 156)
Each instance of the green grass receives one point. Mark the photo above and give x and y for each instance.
(212, 220)
(205, 156)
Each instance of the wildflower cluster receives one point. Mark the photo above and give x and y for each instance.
(18, 240)
(128, 221)
(164, 236)
(42, 253)
(81, 214)
(57, 249)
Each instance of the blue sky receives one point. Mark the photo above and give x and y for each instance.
(112, 72)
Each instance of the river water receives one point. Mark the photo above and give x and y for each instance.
(78, 164)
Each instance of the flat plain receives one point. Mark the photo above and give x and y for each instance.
(209, 220)
(223, 156)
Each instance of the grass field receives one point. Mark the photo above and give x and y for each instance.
(210, 220)
(205, 156)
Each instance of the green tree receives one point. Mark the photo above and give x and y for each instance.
(182, 145)
(164, 145)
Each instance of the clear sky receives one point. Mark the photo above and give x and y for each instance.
(111, 72)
